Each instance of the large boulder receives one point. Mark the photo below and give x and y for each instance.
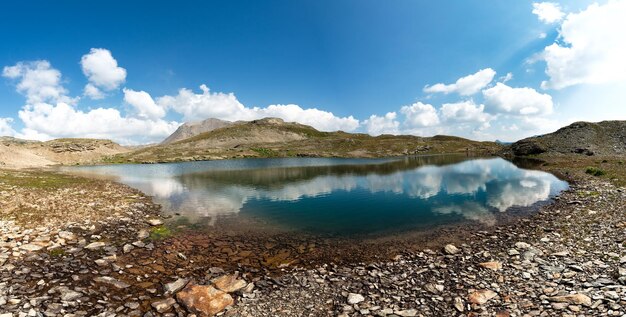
(204, 300)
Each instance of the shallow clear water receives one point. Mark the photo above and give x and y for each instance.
(339, 196)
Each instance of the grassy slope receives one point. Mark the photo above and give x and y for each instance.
(262, 139)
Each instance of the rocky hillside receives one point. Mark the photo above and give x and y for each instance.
(18, 153)
(584, 138)
(191, 129)
(272, 137)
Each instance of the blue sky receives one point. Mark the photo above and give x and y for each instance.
(365, 66)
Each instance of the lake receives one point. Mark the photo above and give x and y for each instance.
(332, 196)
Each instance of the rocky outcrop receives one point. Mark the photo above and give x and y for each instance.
(584, 138)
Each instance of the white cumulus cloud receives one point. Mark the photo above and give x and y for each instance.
(143, 104)
(420, 115)
(38, 81)
(45, 121)
(591, 49)
(517, 101)
(467, 85)
(93, 92)
(224, 106)
(548, 12)
(464, 111)
(387, 124)
(5, 127)
(102, 72)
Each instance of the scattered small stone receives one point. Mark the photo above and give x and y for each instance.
(451, 249)
(355, 298)
(163, 306)
(155, 222)
(173, 287)
(482, 296)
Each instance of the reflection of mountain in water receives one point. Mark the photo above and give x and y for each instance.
(470, 189)
(339, 195)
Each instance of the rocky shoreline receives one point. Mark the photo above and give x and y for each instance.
(84, 248)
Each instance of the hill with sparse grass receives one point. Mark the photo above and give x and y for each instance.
(18, 153)
(606, 138)
(272, 137)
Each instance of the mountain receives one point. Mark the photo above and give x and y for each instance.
(584, 138)
(273, 137)
(18, 153)
(191, 129)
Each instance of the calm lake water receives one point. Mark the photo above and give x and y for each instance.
(339, 196)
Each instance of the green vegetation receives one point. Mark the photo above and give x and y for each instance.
(264, 152)
(594, 171)
(40, 180)
(160, 233)
(58, 252)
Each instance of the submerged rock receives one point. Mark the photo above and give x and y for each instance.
(229, 283)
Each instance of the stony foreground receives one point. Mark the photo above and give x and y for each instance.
(78, 248)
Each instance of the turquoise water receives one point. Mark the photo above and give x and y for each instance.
(340, 196)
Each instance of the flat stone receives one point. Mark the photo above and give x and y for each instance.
(204, 300)
(70, 295)
(66, 235)
(229, 283)
(164, 305)
(355, 298)
(482, 296)
(154, 222)
(111, 281)
(577, 299)
(173, 287)
(142, 234)
(31, 247)
(95, 245)
(492, 265)
(127, 248)
(406, 313)
(451, 249)
(458, 304)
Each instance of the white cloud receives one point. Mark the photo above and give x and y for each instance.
(226, 107)
(93, 92)
(5, 127)
(319, 119)
(102, 71)
(516, 101)
(38, 81)
(144, 104)
(592, 47)
(465, 111)
(386, 124)
(420, 115)
(467, 85)
(548, 12)
(506, 78)
(45, 121)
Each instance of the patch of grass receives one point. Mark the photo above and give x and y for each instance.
(40, 180)
(265, 152)
(160, 233)
(594, 171)
(58, 252)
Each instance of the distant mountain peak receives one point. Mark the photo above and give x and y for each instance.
(191, 129)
